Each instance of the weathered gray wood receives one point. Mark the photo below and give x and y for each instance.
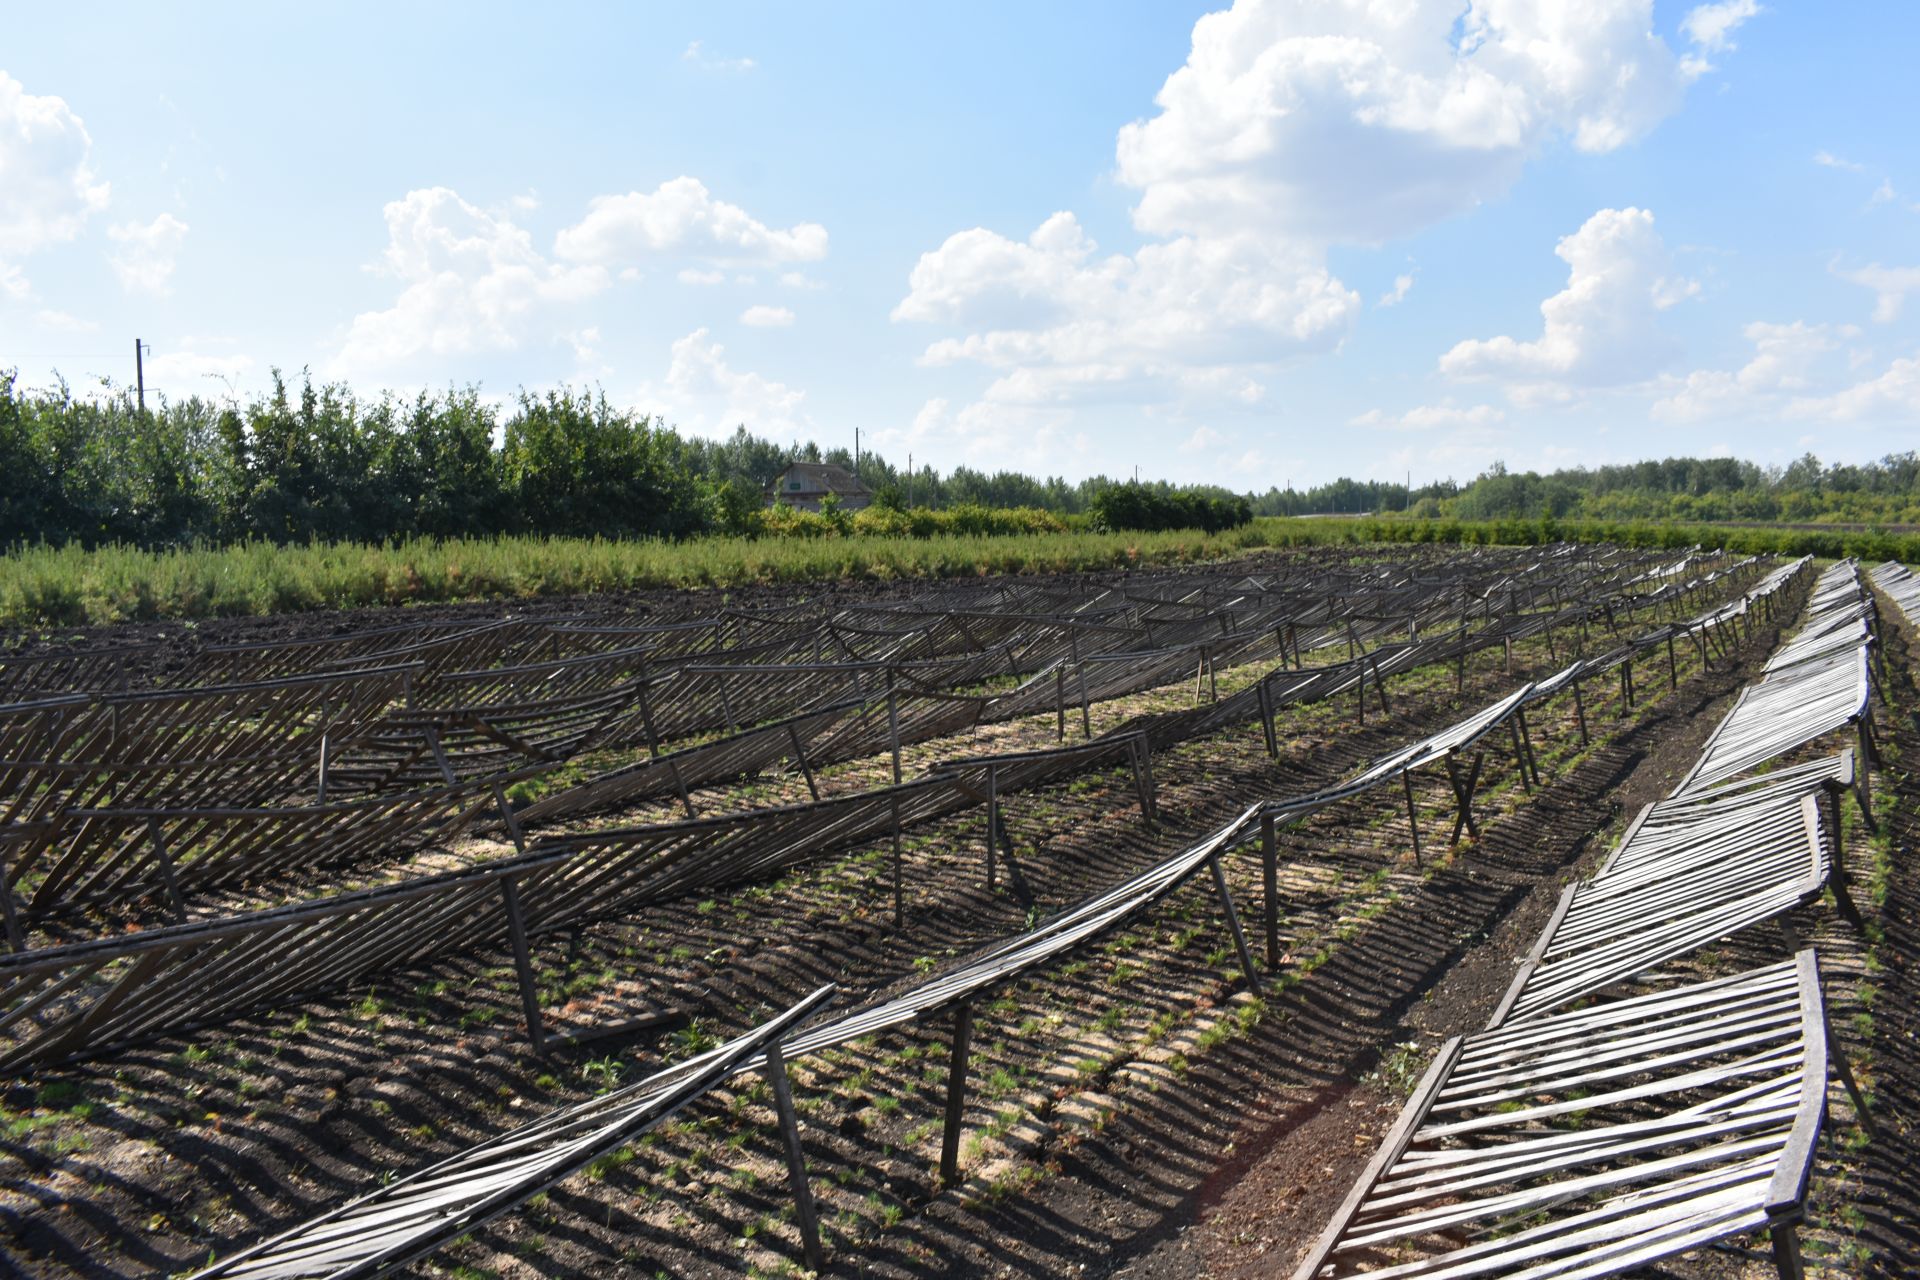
(803, 1211)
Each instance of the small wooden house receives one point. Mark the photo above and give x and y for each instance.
(802, 485)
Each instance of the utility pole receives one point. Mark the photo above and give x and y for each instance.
(856, 452)
(140, 371)
(909, 482)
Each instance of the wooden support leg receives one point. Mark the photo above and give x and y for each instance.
(1526, 741)
(1199, 674)
(1233, 923)
(1673, 666)
(1360, 690)
(893, 724)
(1265, 696)
(1520, 755)
(1413, 814)
(1060, 698)
(523, 962)
(9, 913)
(956, 1093)
(993, 823)
(1137, 749)
(800, 758)
(1463, 794)
(167, 877)
(1379, 686)
(1580, 713)
(1786, 1251)
(680, 785)
(1843, 898)
(1863, 789)
(1842, 1069)
(506, 816)
(803, 1210)
(1270, 877)
(899, 904)
(1086, 710)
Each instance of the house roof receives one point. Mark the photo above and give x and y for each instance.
(823, 475)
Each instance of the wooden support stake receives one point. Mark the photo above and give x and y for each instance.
(800, 758)
(899, 900)
(893, 724)
(646, 706)
(1413, 814)
(1137, 753)
(1862, 789)
(1580, 712)
(326, 754)
(1463, 794)
(1086, 710)
(804, 1215)
(1270, 886)
(956, 1093)
(1673, 665)
(993, 823)
(1233, 923)
(1786, 1250)
(165, 859)
(523, 962)
(1526, 742)
(16, 940)
(1379, 685)
(680, 785)
(1265, 697)
(1060, 698)
(506, 816)
(1520, 756)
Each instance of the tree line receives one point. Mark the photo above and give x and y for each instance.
(316, 463)
(306, 462)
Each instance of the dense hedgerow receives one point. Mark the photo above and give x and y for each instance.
(44, 586)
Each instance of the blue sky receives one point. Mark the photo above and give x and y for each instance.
(1278, 243)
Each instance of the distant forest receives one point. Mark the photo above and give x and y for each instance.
(318, 463)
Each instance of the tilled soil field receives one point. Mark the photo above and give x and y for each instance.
(1133, 1110)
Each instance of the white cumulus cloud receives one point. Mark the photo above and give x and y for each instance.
(1784, 356)
(145, 258)
(703, 394)
(47, 185)
(1429, 417)
(682, 216)
(1291, 128)
(1402, 286)
(1890, 286)
(765, 317)
(1892, 396)
(1711, 26)
(1599, 330)
(471, 281)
